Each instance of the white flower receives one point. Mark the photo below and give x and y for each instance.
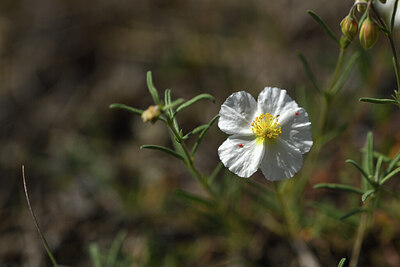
(386, 10)
(271, 133)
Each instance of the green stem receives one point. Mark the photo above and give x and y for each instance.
(338, 68)
(396, 61)
(189, 161)
(290, 229)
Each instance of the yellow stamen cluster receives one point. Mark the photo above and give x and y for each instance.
(266, 126)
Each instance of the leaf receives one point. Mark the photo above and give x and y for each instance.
(367, 194)
(341, 263)
(351, 213)
(215, 172)
(194, 100)
(341, 187)
(152, 89)
(390, 175)
(377, 100)
(95, 255)
(115, 248)
(196, 130)
(128, 108)
(393, 163)
(324, 26)
(174, 104)
(164, 149)
(308, 71)
(194, 198)
(203, 132)
(378, 169)
(342, 79)
(364, 174)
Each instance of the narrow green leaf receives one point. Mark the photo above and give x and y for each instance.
(194, 198)
(341, 263)
(367, 194)
(167, 102)
(194, 100)
(390, 175)
(196, 130)
(308, 71)
(324, 26)
(215, 172)
(152, 89)
(370, 153)
(393, 163)
(128, 108)
(115, 248)
(164, 149)
(351, 213)
(355, 164)
(342, 79)
(378, 169)
(393, 15)
(174, 103)
(377, 100)
(332, 134)
(203, 132)
(341, 187)
(95, 255)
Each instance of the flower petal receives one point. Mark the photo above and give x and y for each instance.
(296, 130)
(237, 114)
(281, 160)
(241, 154)
(276, 101)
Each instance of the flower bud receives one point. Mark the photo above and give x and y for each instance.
(151, 114)
(362, 7)
(369, 33)
(349, 27)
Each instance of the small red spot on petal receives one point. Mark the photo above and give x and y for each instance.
(297, 113)
(240, 145)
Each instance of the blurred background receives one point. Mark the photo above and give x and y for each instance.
(62, 63)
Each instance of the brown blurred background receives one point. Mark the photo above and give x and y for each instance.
(63, 62)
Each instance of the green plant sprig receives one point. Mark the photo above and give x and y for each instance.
(166, 112)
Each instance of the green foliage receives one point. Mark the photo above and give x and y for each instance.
(113, 257)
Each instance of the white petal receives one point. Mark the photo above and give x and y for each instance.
(241, 154)
(281, 160)
(296, 130)
(237, 114)
(276, 101)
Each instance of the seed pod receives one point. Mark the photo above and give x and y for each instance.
(349, 27)
(369, 33)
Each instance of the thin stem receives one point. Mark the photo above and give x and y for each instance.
(338, 67)
(359, 240)
(286, 216)
(46, 246)
(392, 45)
(396, 61)
(190, 161)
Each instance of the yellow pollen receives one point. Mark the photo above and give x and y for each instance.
(266, 126)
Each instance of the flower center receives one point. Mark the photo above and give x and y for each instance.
(266, 126)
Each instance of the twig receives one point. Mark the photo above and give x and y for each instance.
(46, 246)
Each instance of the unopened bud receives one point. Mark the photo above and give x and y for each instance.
(369, 33)
(362, 7)
(151, 114)
(349, 27)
